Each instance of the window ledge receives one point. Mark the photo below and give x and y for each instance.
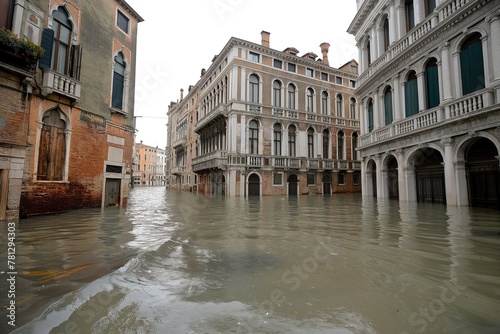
(50, 181)
(118, 111)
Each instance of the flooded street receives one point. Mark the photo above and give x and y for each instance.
(177, 262)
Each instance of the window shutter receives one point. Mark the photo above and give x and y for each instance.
(388, 108)
(75, 61)
(46, 44)
(476, 66)
(432, 87)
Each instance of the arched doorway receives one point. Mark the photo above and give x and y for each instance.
(483, 174)
(293, 183)
(392, 177)
(223, 185)
(429, 171)
(371, 178)
(327, 185)
(254, 185)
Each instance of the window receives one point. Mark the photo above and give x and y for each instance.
(341, 178)
(431, 84)
(291, 96)
(339, 105)
(338, 80)
(352, 83)
(277, 93)
(253, 137)
(291, 67)
(253, 56)
(277, 179)
(310, 143)
(122, 21)
(411, 95)
(370, 116)
(6, 13)
(277, 139)
(311, 179)
(324, 103)
(410, 15)
(386, 34)
(291, 140)
(354, 155)
(278, 63)
(471, 64)
(352, 108)
(388, 106)
(61, 42)
(310, 72)
(340, 145)
(430, 5)
(51, 155)
(368, 53)
(356, 176)
(254, 89)
(326, 141)
(324, 76)
(310, 100)
(118, 81)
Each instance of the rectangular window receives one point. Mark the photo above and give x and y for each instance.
(338, 80)
(341, 178)
(355, 178)
(278, 64)
(354, 69)
(122, 21)
(352, 83)
(291, 67)
(277, 179)
(311, 179)
(253, 56)
(310, 72)
(324, 76)
(6, 13)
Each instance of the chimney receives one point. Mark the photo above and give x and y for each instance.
(265, 38)
(182, 94)
(324, 50)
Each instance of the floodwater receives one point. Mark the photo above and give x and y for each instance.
(178, 262)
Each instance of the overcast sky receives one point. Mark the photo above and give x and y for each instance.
(179, 38)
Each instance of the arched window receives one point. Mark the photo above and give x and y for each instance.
(277, 139)
(324, 103)
(310, 143)
(340, 103)
(352, 108)
(340, 145)
(410, 15)
(118, 81)
(354, 154)
(326, 141)
(386, 34)
(52, 151)
(411, 95)
(254, 89)
(471, 64)
(310, 100)
(370, 115)
(431, 84)
(61, 44)
(292, 140)
(388, 105)
(253, 137)
(291, 96)
(277, 93)
(430, 5)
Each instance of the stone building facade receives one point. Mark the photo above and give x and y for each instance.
(429, 87)
(149, 165)
(78, 121)
(266, 122)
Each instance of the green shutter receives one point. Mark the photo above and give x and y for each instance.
(370, 117)
(411, 97)
(472, 68)
(432, 85)
(46, 44)
(388, 108)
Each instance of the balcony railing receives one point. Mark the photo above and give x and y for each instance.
(179, 142)
(215, 159)
(177, 170)
(54, 82)
(219, 110)
(457, 109)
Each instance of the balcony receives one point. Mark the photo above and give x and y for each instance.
(54, 82)
(178, 170)
(215, 159)
(179, 142)
(211, 116)
(455, 111)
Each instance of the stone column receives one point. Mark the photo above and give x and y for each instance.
(446, 75)
(376, 109)
(380, 179)
(421, 91)
(397, 109)
(392, 22)
(401, 175)
(494, 45)
(449, 172)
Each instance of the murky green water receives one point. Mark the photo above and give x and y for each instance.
(175, 262)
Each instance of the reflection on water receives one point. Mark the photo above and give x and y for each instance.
(175, 262)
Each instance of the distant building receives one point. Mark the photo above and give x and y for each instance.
(429, 87)
(149, 165)
(266, 122)
(73, 111)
